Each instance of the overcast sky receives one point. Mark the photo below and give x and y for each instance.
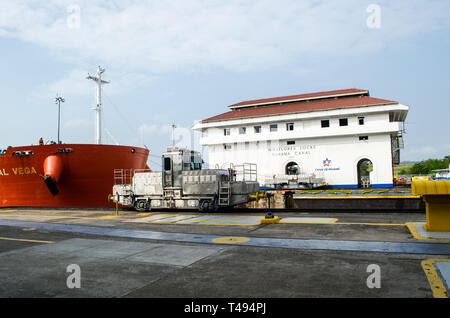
(187, 60)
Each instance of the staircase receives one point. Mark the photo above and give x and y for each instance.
(224, 194)
(401, 143)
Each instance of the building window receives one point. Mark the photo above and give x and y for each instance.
(363, 137)
(247, 145)
(226, 147)
(291, 142)
(343, 122)
(361, 120)
(273, 127)
(325, 123)
(290, 126)
(257, 129)
(226, 132)
(242, 130)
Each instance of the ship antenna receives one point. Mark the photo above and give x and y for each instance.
(98, 80)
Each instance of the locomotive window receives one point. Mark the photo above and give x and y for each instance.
(167, 165)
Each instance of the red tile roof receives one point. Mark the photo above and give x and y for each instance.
(349, 91)
(302, 106)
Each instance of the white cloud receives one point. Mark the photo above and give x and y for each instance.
(163, 35)
(425, 152)
(75, 83)
(77, 123)
(155, 129)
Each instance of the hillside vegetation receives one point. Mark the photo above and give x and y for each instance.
(426, 166)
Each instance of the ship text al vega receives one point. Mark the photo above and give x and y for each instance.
(17, 171)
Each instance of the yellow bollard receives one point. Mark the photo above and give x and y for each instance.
(436, 195)
(111, 199)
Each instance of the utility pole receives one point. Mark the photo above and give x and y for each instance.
(58, 101)
(98, 108)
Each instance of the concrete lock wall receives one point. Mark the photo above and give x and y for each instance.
(279, 200)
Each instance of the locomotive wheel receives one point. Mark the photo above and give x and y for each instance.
(141, 205)
(205, 206)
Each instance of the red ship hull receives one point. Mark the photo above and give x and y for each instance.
(86, 174)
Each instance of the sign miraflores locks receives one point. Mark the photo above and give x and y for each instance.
(292, 150)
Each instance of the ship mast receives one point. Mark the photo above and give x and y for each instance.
(98, 108)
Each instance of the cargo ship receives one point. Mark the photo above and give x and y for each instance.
(65, 175)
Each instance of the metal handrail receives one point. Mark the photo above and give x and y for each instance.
(248, 171)
(125, 176)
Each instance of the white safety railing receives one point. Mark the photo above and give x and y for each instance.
(125, 176)
(246, 172)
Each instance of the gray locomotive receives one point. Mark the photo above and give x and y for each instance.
(183, 184)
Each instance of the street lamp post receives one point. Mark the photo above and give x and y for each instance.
(59, 100)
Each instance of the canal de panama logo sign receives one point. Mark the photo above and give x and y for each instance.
(326, 166)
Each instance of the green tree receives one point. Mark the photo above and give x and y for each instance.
(366, 167)
(427, 166)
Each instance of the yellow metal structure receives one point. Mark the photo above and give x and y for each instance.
(257, 196)
(420, 178)
(436, 195)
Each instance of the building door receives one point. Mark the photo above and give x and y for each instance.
(364, 168)
(292, 168)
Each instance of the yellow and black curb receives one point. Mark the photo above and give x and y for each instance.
(436, 284)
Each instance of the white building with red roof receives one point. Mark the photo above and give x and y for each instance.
(345, 136)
